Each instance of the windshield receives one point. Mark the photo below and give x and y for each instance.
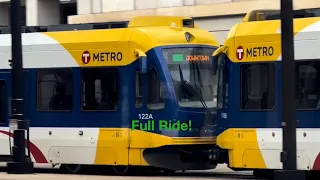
(194, 65)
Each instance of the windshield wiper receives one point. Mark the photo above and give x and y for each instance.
(187, 86)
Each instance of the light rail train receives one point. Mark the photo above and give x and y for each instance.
(139, 93)
(248, 66)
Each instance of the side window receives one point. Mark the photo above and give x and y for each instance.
(138, 85)
(307, 85)
(220, 79)
(54, 89)
(223, 84)
(226, 88)
(100, 90)
(155, 101)
(3, 102)
(258, 86)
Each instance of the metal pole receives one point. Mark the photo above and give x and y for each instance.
(289, 122)
(17, 70)
(18, 155)
(19, 164)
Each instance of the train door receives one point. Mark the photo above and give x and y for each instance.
(5, 101)
(222, 94)
(149, 107)
(149, 101)
(139, 104)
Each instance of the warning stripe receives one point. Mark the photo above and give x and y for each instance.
(34, 150)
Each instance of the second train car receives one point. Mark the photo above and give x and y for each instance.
(249, 93)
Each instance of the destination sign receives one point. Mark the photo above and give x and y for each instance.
(181, 55)
(197, 58)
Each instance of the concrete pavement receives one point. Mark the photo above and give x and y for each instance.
(220, 173)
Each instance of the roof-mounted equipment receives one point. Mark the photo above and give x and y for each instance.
(67, 27)
(88, 26)
(140, 21)
(265, 15)
(147, 21)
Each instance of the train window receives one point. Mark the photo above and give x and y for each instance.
(3, 102)
(139, 102)
(54, 89)
(307, 86)
(257, 86)
(99, 89)
(155, 101)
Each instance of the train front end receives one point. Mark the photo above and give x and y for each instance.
(181, 108)
(174, 119)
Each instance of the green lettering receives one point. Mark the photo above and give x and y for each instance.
(134, 123)
(184, 127)
(176, 126)
(163, 124)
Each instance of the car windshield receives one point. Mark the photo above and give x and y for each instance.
(194, 67)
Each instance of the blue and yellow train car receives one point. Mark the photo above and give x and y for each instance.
(138, 93)
(249, 93)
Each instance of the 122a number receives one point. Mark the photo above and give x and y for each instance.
(145, 116)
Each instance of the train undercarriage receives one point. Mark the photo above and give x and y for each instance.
(166, 159)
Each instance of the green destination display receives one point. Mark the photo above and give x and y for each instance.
(182, 55)
(177, 57)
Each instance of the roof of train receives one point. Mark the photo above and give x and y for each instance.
(143, 33)
(252, 41)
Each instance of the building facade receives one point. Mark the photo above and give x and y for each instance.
(216, 16)
(40, 12)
